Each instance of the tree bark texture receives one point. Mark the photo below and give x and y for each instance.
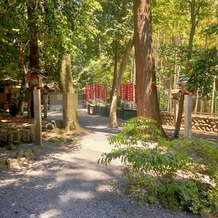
(23, 76)
(116, 50)
(194, 12)
(69, 110)
(113, 106)
(146, 90)
(179, 116)
(33, 43)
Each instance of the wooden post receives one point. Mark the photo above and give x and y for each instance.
(45, 98)
(188, 116)
(176, 109)
(29, 105)
(37, 116)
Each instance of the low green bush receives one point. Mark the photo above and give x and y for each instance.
(179, 174)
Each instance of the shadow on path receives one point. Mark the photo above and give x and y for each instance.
(95, 123)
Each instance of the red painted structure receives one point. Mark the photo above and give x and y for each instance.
(96, 91)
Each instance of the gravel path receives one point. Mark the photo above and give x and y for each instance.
(66, 182)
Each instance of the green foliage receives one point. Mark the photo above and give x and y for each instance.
(204, 69)
(212, 29)
(13, 35)
(179, 174)
(115, 25)
(102, 69)
(68, 26)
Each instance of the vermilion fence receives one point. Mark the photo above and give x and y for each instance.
(97, 92)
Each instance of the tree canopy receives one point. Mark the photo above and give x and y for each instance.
(95, 33)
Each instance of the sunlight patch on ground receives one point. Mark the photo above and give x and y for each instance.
(87, 175)
(64, 176)
(51, 186)
(91, 175)
(36, 173)
(50, 214)
(98, 127)
(7, 182)
(70, 195)
(103, 188)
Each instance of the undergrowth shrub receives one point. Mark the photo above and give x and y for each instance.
(179, 174)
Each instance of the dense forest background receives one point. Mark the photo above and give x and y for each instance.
(96, 32)
(150, 43)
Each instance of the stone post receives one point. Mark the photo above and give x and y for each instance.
(188, 116)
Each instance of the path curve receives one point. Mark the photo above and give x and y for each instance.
(68, 183)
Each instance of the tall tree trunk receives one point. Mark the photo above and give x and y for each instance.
(113, 106)
(212, 105)
(33, 44)
(32, 22)
(179, 116)
(169, 100)
(147, 99)
(194, 12)
(23, 83)
(66, 86)
(116, 50)
(202, 106)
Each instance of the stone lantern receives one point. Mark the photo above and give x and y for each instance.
(182, 82)
(176, 94)
(34, 79)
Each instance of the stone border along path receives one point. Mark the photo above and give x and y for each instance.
(67, 183)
